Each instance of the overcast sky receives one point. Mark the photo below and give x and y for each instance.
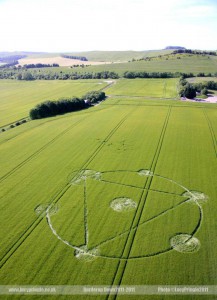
(83, 25)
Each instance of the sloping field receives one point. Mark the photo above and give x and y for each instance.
(18, 97)
(114, 195)
(114, 56)
(194, 64)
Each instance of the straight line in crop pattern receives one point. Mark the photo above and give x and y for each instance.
(212, 133)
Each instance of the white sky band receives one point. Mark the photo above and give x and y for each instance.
(76, 25)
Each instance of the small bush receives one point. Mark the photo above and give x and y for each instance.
(94, 96)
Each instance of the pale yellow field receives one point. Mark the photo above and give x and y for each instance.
(63, 62)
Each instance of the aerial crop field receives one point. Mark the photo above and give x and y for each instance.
(150, 88)
(18, 97)
(118, 194)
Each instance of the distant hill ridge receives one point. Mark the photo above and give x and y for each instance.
(174, 48)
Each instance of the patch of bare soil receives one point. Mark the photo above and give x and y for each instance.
(63, 62)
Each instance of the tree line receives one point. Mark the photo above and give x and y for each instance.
(198, 52)
(39, 65)
(28, 74)
(203, 87)
(83, 58)
(64, 105)
(143, 74)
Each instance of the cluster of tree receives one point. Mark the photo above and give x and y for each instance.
(83, 58)
(202, 87)
(39, 65)
(198, 52)
(186, 89)
(94, 96)
(53, 108)
(25, 76)
(77, 66)
(190, 90)
(142, 74)
(65, 105)
(97, 75)
(67, 76)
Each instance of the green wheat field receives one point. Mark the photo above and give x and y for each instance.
(123, 193)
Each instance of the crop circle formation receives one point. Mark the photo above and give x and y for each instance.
(180, 242)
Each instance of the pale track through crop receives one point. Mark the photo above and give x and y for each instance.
(143, 97)
(117, 279)
(86, 232)
(137, 187)
(59, 195)
(212, 133)
(164, 90)
(152, 105)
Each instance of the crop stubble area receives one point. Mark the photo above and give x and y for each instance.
(123, 193)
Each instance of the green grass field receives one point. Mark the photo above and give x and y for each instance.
(120, 194)
(150, 88)
(194, 64)
(113, 56)
(187, 64)
(18, 97)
